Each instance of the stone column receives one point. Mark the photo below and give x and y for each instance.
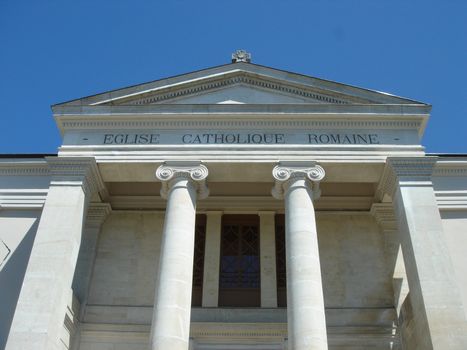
(267, 241)
(212, 254)
(41, 308)
(438, 315)
(298, 184)
(182, 184)
(96, 215)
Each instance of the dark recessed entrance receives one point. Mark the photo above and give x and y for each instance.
(239, 283)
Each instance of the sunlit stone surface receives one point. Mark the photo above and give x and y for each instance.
(117, 243)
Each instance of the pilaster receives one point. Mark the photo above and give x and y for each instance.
(267, 250)
(40, 314)
(438, 316)
(409, 171)
(74, 171)
(384, 216)
(212, 253)
(96, 215)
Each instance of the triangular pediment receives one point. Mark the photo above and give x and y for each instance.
(239, 93)
(240, 83)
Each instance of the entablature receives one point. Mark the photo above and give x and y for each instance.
(241, 116)
(450, 182)
(24, 183)
(219, 130)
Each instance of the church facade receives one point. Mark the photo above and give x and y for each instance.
(236, 207)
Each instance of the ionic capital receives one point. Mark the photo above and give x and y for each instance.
(286, 173)
(75, 171)
(171, 172)
(408, 170)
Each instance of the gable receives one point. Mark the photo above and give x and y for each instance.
(234, 87)
(239, 83)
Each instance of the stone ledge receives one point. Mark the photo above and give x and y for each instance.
(336, 317)
(205, 334)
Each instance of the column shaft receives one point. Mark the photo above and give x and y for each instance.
(305, 303)
(212, 253)
(267, 250)
(172, 307)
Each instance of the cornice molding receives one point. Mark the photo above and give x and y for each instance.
(23, 199)
(114, 124)
(405, 171)
(384, 216)
(76, 171)
(240, 69)
(404, 110)
(237, 79)
(451, 200)
(239, 153)
(24, 169)
(451, 168)
(97, 213)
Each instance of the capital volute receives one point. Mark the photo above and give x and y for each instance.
(170, 173)
(286, 173)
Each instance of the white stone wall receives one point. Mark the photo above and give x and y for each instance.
(127, 258)
(455, 229)
(351, 250)
(17, 232)
(353, 262)
(451, 195)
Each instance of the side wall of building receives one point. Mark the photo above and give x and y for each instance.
(455, 229)
(451, 193)
(24, 185)
(17, 232)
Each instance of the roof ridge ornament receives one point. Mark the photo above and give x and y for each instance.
(241, 56)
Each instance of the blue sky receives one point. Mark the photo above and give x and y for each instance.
(53, 51)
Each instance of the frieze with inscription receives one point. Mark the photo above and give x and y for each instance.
(242, 137)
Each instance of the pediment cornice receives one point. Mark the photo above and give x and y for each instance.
(167, 94)
(308, 89)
